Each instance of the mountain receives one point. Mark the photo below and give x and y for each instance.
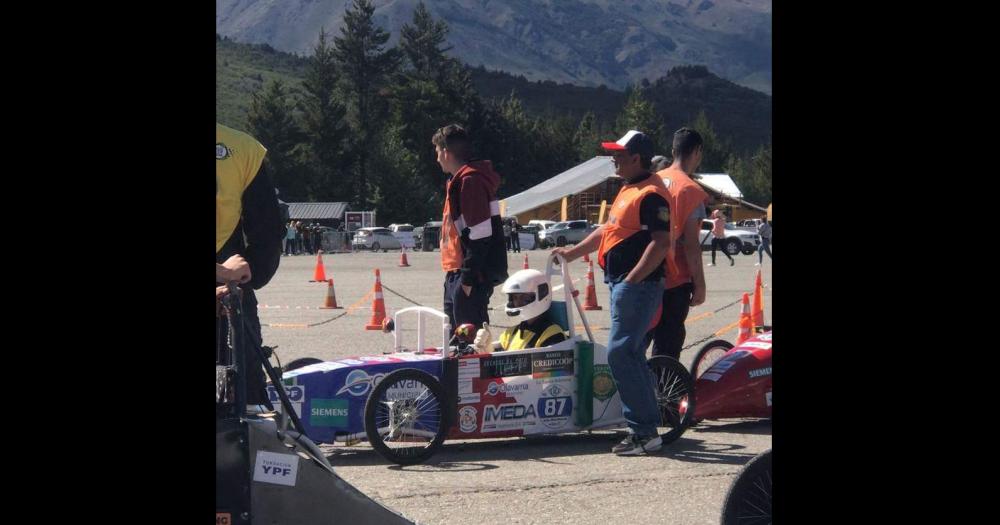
(584, 42)
(738, 114)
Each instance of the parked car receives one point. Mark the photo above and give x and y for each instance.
(563, 233)
(417, 233)
(403, 233)
(542, 224)
(375, 239)
(749, 224)
(736, 240)
(430, 236)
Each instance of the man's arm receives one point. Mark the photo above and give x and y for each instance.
(474, 198)
(591, 243)
(652, 257)
(692, 252)
(263, 228)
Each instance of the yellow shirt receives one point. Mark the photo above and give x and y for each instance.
(238, 158)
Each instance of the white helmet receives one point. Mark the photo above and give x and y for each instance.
(528, 294)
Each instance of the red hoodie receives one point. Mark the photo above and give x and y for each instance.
(471, 233)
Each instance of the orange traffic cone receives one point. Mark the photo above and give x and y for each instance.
(526, 262)
(590, 300)
(378, 305)
(757, 312)
(746, 323)
(331, 297)
(319, 275)
(402, 257)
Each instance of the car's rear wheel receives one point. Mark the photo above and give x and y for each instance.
(733, 246)
(404, 416)
(749, 249)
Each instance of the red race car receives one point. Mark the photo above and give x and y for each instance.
(732, 382)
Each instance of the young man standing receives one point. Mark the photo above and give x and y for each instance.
(631, 248)
(685, 276)
(473, 254)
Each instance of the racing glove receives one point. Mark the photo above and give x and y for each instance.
(483, 342)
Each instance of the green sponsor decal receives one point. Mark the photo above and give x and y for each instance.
(328, 413)
(604, 383)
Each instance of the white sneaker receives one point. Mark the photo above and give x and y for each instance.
(710, 264)
(756, 264)
(635, 446)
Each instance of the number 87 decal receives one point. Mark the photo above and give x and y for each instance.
(555, 406)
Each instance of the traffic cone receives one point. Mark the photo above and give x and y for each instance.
(331, 297)
(526, 267)
(746, 323)
(757, 312)
(590, 300)
(402, 257)
(378, 305)
(319, 275)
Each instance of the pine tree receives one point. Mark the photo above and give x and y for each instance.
(586, 140)
(715, 152)
(640, 114)
(324, 129)
(365, 68)
(270, 121)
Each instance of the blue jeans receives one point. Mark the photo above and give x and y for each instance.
(632, 309)
(765, 244)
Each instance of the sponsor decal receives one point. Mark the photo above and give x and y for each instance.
(328, 413)
(499, 387)
(221, 151)
(351, 362)
(467, 419)
(760, 372)
(408, 389)
(279, 469)
(504, 366)
(296, 395)
(604, 383)
(728, 361)
(358, 383)
(552, 390)
(710, 376)
(552, 364)
(756, 344)
(555, 406)
(764, 337)
(508, 416)
(467, 398)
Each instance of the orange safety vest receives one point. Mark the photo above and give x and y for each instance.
(685, 196)
(623, 219)
(451, 248)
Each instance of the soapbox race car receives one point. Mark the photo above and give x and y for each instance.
(408, 401)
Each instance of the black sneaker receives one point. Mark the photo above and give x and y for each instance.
(634, 445)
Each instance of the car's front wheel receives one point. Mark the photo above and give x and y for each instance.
(404, 416)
